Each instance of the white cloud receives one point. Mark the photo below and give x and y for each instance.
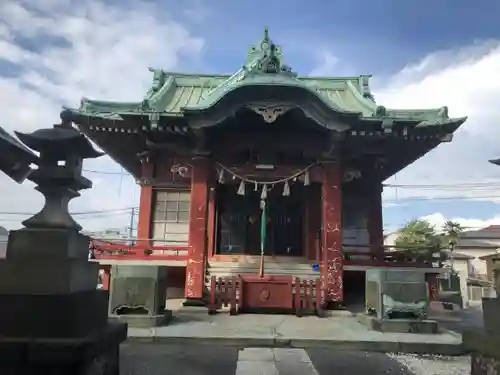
(325, 65)
(467, 80)
(54, 52)
(438, 219)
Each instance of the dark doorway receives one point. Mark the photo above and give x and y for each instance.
(239, 221)
(354, 290)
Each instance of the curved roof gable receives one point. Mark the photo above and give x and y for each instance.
(264, 66)
(175, 94)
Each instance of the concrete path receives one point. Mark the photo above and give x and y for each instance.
(164, 359)
(341, 332)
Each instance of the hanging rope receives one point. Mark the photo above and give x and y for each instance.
(274, 182)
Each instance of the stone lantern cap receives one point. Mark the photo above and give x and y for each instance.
(60, 141)
(62, 150)
(15, 158)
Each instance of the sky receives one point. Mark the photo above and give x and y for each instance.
(421, 53)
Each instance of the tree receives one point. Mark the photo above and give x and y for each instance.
(418, 236)
(452, 231)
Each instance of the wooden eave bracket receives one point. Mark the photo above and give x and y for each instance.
(387, 124)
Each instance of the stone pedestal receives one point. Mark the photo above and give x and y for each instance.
(97, 353)
(484, 345)
(399, 325)
(396, 294)
(53, 319)
(138, 295)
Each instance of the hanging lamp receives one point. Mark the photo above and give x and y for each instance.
(286, 189)
(221, 176)
(307, 178)
(263, 195)
(241, 188)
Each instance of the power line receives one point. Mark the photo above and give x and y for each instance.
(491, 184)
(405, 200)
(82, 213)
(122, 173)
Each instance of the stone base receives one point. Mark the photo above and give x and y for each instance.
(480, 341)
(70, 315)
(144, 321)
(399, 325)
(491, 312)
(483, 365)
(95, 354)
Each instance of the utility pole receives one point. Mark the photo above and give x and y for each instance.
(131, 224)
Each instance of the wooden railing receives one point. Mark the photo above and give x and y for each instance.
(154, 250)
(385, 257)
(307, 296)
(143, 250)
(228, 292)
(225, 292)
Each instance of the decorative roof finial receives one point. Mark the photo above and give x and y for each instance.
(266, 34)
(265, 57)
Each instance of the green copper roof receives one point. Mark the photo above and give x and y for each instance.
(174, 94)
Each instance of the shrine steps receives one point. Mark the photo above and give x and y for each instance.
(225, 269)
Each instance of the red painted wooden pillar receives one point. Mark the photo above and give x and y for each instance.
(332, 259)
(105, 276)
(211, 240)
(198, 213)
(145, 204)
(432, 283)
(375, 221)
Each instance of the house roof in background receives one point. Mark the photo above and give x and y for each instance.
(488, 237)
(460, 256)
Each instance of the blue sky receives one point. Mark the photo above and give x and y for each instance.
(421, 54)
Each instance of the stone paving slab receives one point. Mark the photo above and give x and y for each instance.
(170, 359)
(289, 331)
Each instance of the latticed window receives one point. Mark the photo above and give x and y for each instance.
(171, 217)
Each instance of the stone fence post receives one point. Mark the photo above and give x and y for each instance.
(484, 345)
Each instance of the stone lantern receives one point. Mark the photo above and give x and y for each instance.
(53, 319)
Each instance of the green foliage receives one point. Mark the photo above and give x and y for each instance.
(452, 231)
(419, 236)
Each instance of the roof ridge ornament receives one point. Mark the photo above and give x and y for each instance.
(159, 79)
(264, 57)
(267, 57)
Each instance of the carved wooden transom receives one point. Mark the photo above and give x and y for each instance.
(269, 112)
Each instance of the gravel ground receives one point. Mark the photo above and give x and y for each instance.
(433, 365)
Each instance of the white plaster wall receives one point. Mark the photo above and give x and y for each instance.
(477, 265)
(390, 239)
(3, 246)
(462, 267)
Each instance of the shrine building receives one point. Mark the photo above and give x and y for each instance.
(261, 173)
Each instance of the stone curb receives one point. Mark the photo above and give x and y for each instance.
(450, 332)
(369, 346)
